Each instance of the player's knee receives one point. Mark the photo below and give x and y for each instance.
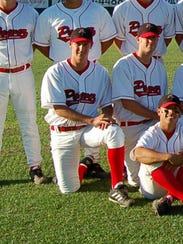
(68, 189)
(115, 137)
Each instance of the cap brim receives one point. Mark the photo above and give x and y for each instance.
(149, 34)
(166, 105)
(81, 39)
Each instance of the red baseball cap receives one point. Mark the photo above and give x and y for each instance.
(148, 30)
(81, 35)
(168, 100)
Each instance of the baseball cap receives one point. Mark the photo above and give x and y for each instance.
(168, 100)
(81, 35)
(148, 30)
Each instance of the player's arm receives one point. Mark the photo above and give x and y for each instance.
(118, 44)
(105, 45)
(179, 38)
(139, 109)
(108, 111)
(100, 121)
(167, 41)
(149, 156)
(44, 50)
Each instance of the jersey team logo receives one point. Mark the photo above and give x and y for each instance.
(140, 89)
(74, 98)
(12, 34)
(64, 32)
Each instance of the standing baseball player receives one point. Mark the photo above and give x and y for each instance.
(160, 152)
(17, 25)
(138, 82)
(177, 87)
(52, 36)
(73, 90)
(130, 14)
(179, 24)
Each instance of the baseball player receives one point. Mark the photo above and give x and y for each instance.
(138, 82)
(56, 23)
(73, 90)
(17, 25)
(179, 24)
(130, 14)
(160, 152)
(52, 35)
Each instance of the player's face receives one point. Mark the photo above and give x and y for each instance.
(80, 50)
(171, 114)
(148, 44)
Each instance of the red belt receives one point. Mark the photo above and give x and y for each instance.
(14, 70)
(131, 123)
(69, 128)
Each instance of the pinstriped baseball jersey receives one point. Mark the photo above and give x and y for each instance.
(177, 86)
(83, 93)
(16, 33)
(129, 15)
(133, 80)
(155, 139)
(56, 23)
(179, 19)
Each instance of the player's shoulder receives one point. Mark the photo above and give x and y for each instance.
(28, 9)
(51, 9)
(99, 67)
(123, 60)
(95, 7)
(26, 6)
(179, 69)
(122, 6)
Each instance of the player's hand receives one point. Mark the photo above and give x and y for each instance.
(102, 121)
(169, 166)
(176, 159)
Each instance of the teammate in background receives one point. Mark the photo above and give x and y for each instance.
(138, 82)
(130, 14)
(73, 90)
(52, 36)
(17, 24)
(179, 24)
(160, 152)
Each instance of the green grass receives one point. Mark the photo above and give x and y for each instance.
(40, 214)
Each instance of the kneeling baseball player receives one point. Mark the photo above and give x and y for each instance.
(160, 152)
(73, 90)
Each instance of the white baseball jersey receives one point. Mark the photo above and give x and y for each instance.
(83, 93)
(130, 14)
(16, 33)
(177, 86)
(56, 23)
(133, 80)
(155, 139)
(179, 20)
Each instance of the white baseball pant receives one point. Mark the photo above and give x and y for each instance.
(66, 151)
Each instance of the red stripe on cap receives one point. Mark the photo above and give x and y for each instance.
(165, 105)
(81, 39)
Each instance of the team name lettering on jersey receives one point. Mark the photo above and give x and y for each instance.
(140, 89)
(64, 33)
(74, 98)
(134, 25)
(12, 34)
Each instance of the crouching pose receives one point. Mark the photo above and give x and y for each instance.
(73, 90)
(160, 152)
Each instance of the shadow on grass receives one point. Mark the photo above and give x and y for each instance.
(13, 182)
(176, 210)
(25, 181)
